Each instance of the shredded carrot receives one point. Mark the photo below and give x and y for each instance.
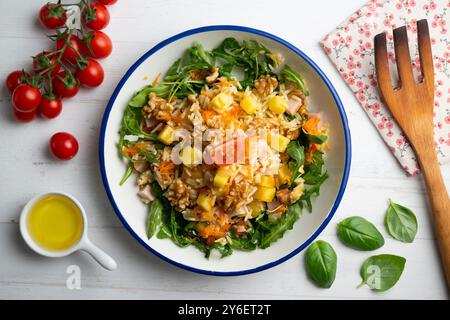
(165, 117)
(166, 167)
(129, 151)
(207, 114)
(281, 209)
(231, 115)
(311, 125)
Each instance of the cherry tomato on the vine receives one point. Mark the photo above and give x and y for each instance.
(50, 106)
(52, 16)
(96, 16)
(26, 98)
(46, 60)
(91, 74)
(108, 2)
(65, 85)
(63, 145)
(14, 79)
(73, 46)
(97, 44)
(24, 116)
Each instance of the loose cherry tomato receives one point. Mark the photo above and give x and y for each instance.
(24, 116)
(70, 53)
(50, 106)
(108, 2)
(91, 75)
(97, 44)
(52, 16)
(46, 60)
(65, 85)
(96, 16)
(63, 145)
(26, 98)
(14, 79)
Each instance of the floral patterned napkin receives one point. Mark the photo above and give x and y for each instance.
(350, 48)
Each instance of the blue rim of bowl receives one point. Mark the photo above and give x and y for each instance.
(299, 53)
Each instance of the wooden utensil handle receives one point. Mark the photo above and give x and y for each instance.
(440, 204)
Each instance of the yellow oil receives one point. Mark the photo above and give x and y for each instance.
(55, 223)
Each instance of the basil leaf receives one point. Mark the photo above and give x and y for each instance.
(382, 272)
(321, 263)
(360, 234)
(401, 222)
(154, 217)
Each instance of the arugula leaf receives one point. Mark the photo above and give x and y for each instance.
(401, 222)
(321, 263)
(382, 272)
(154, 218)
(199, 55)
(360, 234)
(316, 139)
(140, 99)
(273, 231)
(127, 174)
(288, 74)
(151, 157)
(296, 152)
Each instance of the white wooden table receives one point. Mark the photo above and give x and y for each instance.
(136, 26)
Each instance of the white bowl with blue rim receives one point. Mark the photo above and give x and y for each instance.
(132, 212)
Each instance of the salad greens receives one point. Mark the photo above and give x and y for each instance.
(243, 62)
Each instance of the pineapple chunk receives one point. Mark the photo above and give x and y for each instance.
(267, 181)
(278, 142)
(190, 156)
(277, 104)
(250, 104)
(206, 200)
(264, 194)
(221, 102)
(222, 177)
(166, 135)
(284, 174)
(256, 207)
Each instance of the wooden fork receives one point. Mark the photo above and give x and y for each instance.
(411, 104)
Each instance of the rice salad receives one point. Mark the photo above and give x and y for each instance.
(225, 151)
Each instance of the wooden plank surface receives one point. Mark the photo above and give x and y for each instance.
(136, 26)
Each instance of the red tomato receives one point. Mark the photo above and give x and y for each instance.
(70, 53)
(26, 98)
(92, 74)
(65, 85)
(97, 45)
(24, 116)
(107, 2)
(52, 16)
(46, 60)
(63, 145)
(96, 16)
(14, 79)
(50, 106)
